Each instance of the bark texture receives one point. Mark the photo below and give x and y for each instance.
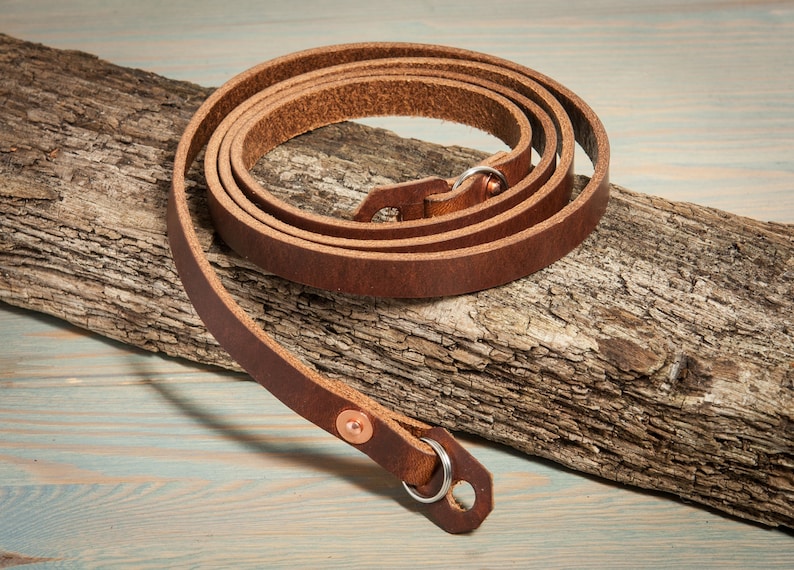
(658, 354)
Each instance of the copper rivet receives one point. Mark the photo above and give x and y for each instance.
(354, 426)
(494, 186)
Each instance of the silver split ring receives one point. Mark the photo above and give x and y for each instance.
(446, 464)
(481, 170)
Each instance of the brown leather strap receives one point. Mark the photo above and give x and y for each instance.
(491, 228)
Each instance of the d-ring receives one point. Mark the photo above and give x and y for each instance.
(481, 170)
(446, 464)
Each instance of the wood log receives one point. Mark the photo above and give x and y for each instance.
(659, 354)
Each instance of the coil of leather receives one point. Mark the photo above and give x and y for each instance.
(502, 220)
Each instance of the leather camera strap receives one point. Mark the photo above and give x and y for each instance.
(499, 221)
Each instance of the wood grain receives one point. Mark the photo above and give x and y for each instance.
(641, 357)
(114, 457)
(697, 98)
(696, 95)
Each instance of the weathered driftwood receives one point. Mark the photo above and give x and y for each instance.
(659, 354)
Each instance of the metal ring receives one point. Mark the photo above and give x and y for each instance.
(481, 170)
(446, 464)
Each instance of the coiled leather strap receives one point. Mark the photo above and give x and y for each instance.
(449, 241)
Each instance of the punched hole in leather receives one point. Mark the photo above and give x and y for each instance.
(433, 196)
(495, 226)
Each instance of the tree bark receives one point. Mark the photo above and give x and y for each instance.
(658, 354)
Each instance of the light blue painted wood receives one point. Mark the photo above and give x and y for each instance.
(698, 97)
(114, 458)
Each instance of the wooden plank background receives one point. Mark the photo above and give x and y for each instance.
(111, 457)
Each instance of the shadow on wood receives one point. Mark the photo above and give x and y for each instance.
(659, 354)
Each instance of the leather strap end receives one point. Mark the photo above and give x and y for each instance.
(407, 197)
(447, 513)
(429, 455)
